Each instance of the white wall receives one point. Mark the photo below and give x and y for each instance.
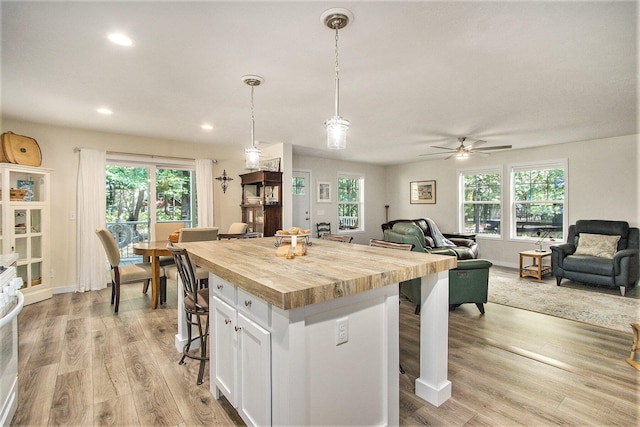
(603, 184)
(326, 170)
(603, 174)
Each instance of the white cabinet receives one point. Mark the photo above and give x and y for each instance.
(24, 221)
(254, 372)
(284, 367)
(241, 353)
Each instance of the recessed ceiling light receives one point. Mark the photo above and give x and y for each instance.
(207, 126)
(120, 39)
(105, 111)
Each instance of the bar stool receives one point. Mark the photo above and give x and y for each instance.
(196, 308)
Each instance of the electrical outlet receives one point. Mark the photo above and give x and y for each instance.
(342, 330)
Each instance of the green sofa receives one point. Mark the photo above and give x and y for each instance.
(468, 283)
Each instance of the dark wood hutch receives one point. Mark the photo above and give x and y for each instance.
(262, 201)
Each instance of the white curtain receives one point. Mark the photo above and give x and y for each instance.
(92, 207)
(204, 188)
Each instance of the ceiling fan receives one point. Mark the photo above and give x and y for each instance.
(463, 151)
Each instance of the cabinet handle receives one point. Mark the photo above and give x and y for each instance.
(219, 287)
(236, 328)
(227, 321)
(247, 303)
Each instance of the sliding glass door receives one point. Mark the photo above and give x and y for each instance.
(131, 216)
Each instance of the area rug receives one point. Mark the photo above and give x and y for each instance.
(572, 300)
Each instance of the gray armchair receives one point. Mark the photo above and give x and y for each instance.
(621, 270)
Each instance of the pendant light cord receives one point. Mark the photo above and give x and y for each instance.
(337, 100)
(252, 120)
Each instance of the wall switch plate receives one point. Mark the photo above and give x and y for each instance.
(342, 330)
(72, 216)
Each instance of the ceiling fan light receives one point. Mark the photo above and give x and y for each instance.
(337, 128)
(252, 157)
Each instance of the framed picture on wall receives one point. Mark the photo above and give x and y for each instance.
(324, 192)
(423, 192)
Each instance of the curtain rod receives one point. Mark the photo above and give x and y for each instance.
(147, 156)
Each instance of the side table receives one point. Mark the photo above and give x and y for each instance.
(537, 269)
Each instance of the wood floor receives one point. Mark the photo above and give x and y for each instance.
(82, 365)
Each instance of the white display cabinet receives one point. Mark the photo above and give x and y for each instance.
(25, 226)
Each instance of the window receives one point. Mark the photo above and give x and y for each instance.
(350, 202)
(130, 188)
(538, 193)
(297, 186)
(481, 207)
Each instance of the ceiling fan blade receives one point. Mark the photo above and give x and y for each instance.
(444, 148)
(498, 147)
(473, 145)
(479, 152)
(432, 154)
(450, 156)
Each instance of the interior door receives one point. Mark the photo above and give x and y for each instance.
(301, 190)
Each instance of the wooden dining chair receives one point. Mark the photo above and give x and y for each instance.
(337, 238)
(121, 274)
(323, 228)
(196, 308)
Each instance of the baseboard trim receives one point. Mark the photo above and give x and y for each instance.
(64, 289)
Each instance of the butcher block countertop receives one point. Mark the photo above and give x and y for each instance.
(329, 270)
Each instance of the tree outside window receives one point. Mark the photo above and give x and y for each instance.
(350, 202)
(481, 202)
(538, 201)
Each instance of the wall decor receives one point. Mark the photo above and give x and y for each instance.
(26, 184)
(324, 192)
(423, 192)
(224, 180)
(270, 165)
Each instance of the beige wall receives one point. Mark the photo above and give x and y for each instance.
(603, 184)
(326, 170)
(57, 144)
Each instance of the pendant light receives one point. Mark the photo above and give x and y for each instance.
(336, 19)
(252, 154)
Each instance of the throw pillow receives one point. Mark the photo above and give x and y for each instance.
(599, 245)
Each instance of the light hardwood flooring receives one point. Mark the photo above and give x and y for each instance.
(80, 364)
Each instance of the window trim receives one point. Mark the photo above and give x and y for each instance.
(533, 165)
(478, 171)
(361, 202)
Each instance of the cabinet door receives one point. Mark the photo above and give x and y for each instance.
(223, 360)
(254, 382)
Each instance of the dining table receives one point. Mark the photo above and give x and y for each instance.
(153, 250)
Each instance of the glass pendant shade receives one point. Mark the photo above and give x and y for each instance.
(337, 128)
(252, 157)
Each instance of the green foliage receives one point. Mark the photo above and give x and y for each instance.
(128, 194)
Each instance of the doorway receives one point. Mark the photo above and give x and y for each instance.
(301, 190)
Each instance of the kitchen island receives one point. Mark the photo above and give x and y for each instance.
(314, 339)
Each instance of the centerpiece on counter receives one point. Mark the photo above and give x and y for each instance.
(298, 242)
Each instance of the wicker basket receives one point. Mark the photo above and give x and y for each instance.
(15, 194)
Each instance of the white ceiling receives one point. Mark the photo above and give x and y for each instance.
(413, 74)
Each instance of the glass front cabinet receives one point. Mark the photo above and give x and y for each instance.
(262, 201)
(24, 224)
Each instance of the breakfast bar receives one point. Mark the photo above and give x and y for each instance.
(314, 339)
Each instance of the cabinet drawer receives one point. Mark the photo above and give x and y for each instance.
(253, 307)
(223, 289)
